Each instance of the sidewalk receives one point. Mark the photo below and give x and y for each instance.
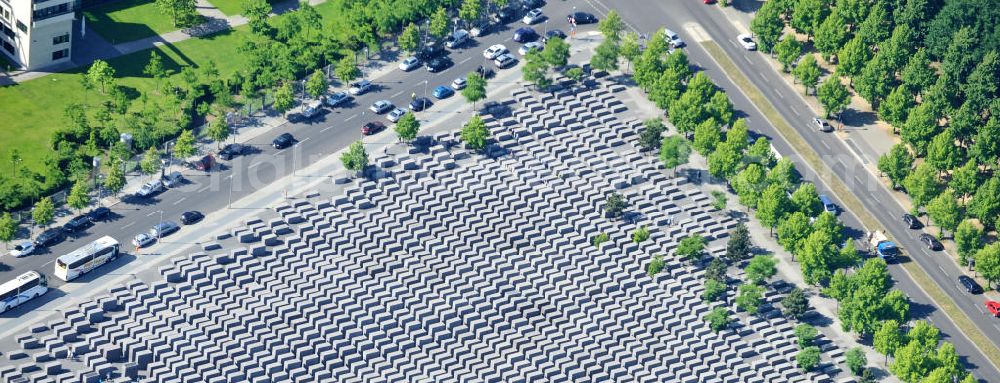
(98, 48)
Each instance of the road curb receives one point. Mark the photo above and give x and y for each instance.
(916, 272)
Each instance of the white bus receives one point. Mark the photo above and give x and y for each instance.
(86, 258)
(24, 288)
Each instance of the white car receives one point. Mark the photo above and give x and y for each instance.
(494, 51)
(396, 114)
(505, 60)
(747, 42)
(533, 16)
(142, 240)
(149, 188)
(360, 87)
(528, 47)
(410, 63)
(458, 84)
(22, 249)
(673, 38)
(381, 106)
(821, 125)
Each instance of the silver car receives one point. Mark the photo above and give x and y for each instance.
(396, 114)
(173, 180)
(149, 188)
(381, 106)
(164, 229)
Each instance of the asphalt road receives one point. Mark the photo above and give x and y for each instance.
(335, 129)
(647, 17)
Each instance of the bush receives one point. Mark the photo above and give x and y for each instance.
(856, 360)
(808, 358)
(805, 335)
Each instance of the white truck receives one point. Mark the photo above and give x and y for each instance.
(312, 109)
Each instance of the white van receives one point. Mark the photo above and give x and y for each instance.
(457, 39)
(313, 109)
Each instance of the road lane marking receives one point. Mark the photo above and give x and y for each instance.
(350, 118)
(254, 165)
(748, 59)
(127, 226)
(180, 200)
(304, 140)
(326, 128)
(206, 187)
(278, 153)
(151, 214)
(464, 61)
(824, 144)
(779, 93)
(762, 76)
(874, 198)
(796, 111)
(396, 94)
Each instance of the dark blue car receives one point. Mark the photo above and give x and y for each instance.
(443, 92)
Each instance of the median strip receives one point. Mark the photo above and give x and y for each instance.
(913, 269)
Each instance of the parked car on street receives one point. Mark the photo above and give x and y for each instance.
(191, 217)
(205, 163)
(747, 42)
(912, 222)
(163, 229)
(283, 141)
(528, 47)
(231, 151)
(533, 16)
(360, 87)
(409, 64)
(22, 249)
(443, 92)
(420, 103)
(78, 224)
(553, 33)
(580, 18)
(439, 64)
(173, 179)
(372, 127)
(395, 114)
(149, 188)
(50, 237)
(99, 214)
(493, 51)
(485, 72)
(931, 242)
(505, 60)
(458, 83)
(142, 240)
(337, 98)
(457, 38)
(381, 106)
(525, 34)
(970, 284)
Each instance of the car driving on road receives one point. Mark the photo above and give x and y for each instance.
(231, 151)
(821, 125)
(191, 217)
(912, 222)
(22, 249)
(50, 237)
(283, 141)
(78, 224)
(970, 284)
(172, 180)
(673, 38)
(525, 34)
(931, 242)
(142, 240)
(580, 18)
(439, 64)
(747, 42)
(99, 214)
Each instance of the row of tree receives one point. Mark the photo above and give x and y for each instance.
(929, 70)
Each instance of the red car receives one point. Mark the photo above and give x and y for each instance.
(206, 163)
(372, 128)
(994, 308)
(709, 1)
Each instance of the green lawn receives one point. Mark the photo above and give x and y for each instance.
(128, 20)
(229, 7)
(34, 109)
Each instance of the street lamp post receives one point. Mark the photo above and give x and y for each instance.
(159, 228)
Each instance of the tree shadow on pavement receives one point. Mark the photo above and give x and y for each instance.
(746, 6)
(855, 118)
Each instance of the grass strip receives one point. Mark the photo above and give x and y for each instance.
(916, 272)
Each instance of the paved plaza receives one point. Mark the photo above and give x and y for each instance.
(444, 265)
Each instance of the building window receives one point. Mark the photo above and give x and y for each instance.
(22, 27)
(60, 39)
(9, 48)
(60, 54)
(53, 11)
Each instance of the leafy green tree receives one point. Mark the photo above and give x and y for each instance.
(957, 61)
(713, 290)
(896, 107)
(767, 25)
(614, 205)
(895, 305)
(896, 164)
(720, 108)
(407, 127)
(853, 57)
(833, 95)
(739, 246)
(749, 184)
(783, 174)
(945, 212)
(718, 319)
(475, 134)
(691, 248)
(761, 268)
(475, 88)
(724, 162)
(651, 136)
(898, 49)
(911, 363)
(256, 12)
(947, 360)
(574, 73)
(856, 360)
(749, 298)
(612, 26)
(831, 35)
(806, 200)
(556, 52)
(677, 62)
(347, 69)
(707, 136)
(875, 81)
(807, 71)
(827, 222)
(985, 204)
(686, 112)
(101, 73)
(316, 84)
(674, 151)
(877, 25)
(409, 39)
(355, 158)
(773, 205)
(988, 263)
(716, 270)
(793, 230)
(918, 75)
(815, 255)
(284, 98)
(942, 153)
(808, 14)
(986, 148)
(920, 127)
(179, 11)
(964, 122)
(599, 239)
(922, 185)
(471, 10)
(640, 235)
(795, 304)
(535, 70)
(439, 25)
(667, 89)
(185, 144)
(43, 212)
(154, 68)
(788, 50)
(738, 135)
(150, 161)
(981, 85)
(218, 130)
(8, 229)
(888, 338)
(808, 358)
(760, 153)
(115, 180)
(655, 266)
(606, 59)
(805, 335)
(968, 239)
(629, 48)
(79, 195)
